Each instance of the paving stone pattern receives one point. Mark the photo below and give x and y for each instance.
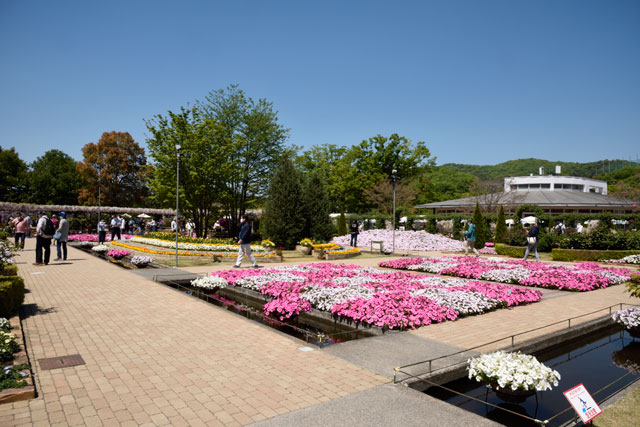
(155, 356)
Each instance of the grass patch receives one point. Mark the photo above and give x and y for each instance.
(625, 412)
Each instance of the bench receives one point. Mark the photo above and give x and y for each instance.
(380, 244)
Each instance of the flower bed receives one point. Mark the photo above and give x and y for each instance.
(94, 237)
(100, 249)
(405, 240)
(138, 248)
(585, 276)
(118, 253)
(214, 247)
(375, 297)
(628, 317)
(631, 259)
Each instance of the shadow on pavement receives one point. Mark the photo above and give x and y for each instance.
(29, 310)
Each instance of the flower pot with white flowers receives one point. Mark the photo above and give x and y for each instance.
(513, 376)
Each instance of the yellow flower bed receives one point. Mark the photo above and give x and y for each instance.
(326, 246)
(187, 253)
(346, 251)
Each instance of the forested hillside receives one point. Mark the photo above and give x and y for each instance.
(522, 167)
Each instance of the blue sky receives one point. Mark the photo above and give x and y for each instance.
(480, 82)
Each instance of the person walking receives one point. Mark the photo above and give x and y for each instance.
(470, 237)
(44, 233)
(123, 226)
(354, 230)
(244, 240)
(532, 241)
(63, 230)
(102, 231)
(115, 228)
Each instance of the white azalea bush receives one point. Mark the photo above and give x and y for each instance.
(100, 248)
(209, 282)
(631, 259)
(515, 371)
(628, 317)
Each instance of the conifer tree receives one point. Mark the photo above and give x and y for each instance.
(283, 219)
(319, 226)
(501, 227)
(342, 225)
(481, 227)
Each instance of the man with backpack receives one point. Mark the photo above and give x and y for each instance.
(44, 232)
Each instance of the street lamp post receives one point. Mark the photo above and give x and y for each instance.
(394, 176)
(178, 147)
(99, 204)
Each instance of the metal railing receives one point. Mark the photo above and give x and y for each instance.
(511, 337)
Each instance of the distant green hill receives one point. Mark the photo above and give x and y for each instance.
(523, 167)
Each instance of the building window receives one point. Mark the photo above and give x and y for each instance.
(534, 185)
(545, 186)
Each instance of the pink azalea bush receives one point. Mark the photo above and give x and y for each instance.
(584, 276)
(373, 296)
(405, 240)
(94, 237)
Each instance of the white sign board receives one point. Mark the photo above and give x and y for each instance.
(583, 403)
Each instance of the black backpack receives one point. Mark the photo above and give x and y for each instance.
(49, 228)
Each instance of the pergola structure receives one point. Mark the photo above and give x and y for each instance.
(29, 208)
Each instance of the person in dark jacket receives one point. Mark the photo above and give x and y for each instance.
(244, 240)
(532, 242)
(354, 234)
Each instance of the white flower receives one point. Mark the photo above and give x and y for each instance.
(209, 282)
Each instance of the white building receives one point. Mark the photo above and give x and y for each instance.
(555, 183)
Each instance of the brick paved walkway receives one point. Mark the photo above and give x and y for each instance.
(155, 356)
(158, 357)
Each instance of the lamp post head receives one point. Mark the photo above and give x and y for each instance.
(178, 147)
(393, 172)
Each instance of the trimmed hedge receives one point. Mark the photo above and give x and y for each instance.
(9, 270)
(511, 251)
(11, 295)
(589, 255)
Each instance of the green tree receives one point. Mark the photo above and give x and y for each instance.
(319, 226)
(254, 140)
(54, 179)
(481, 227)
(342, 225)
(351, 171)
(119, 165)
(205, 167)
(282, 221)
(13, 172)
(501, 227)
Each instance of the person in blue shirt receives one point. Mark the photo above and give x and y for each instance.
(470, 237)
(244, 240)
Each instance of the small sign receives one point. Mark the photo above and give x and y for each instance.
(305, 349)
(583, 403)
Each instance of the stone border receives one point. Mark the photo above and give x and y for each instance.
(28, 392)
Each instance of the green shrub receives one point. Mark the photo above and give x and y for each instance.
(342, 225)
(515, 237)
(511, 251)
(11, 295)
(501, 227)
(545, 242)
(9, 270)
(633, 286)
(561, 254)
(4, 235)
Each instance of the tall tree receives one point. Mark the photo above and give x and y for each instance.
(319, 225)
(256, 141)
(12, 176)
(481, 227)
(282, 221)
(501, 227)
(204, 164)
(118, 163)
(380, 196)
(54, 179)
(351, 171)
